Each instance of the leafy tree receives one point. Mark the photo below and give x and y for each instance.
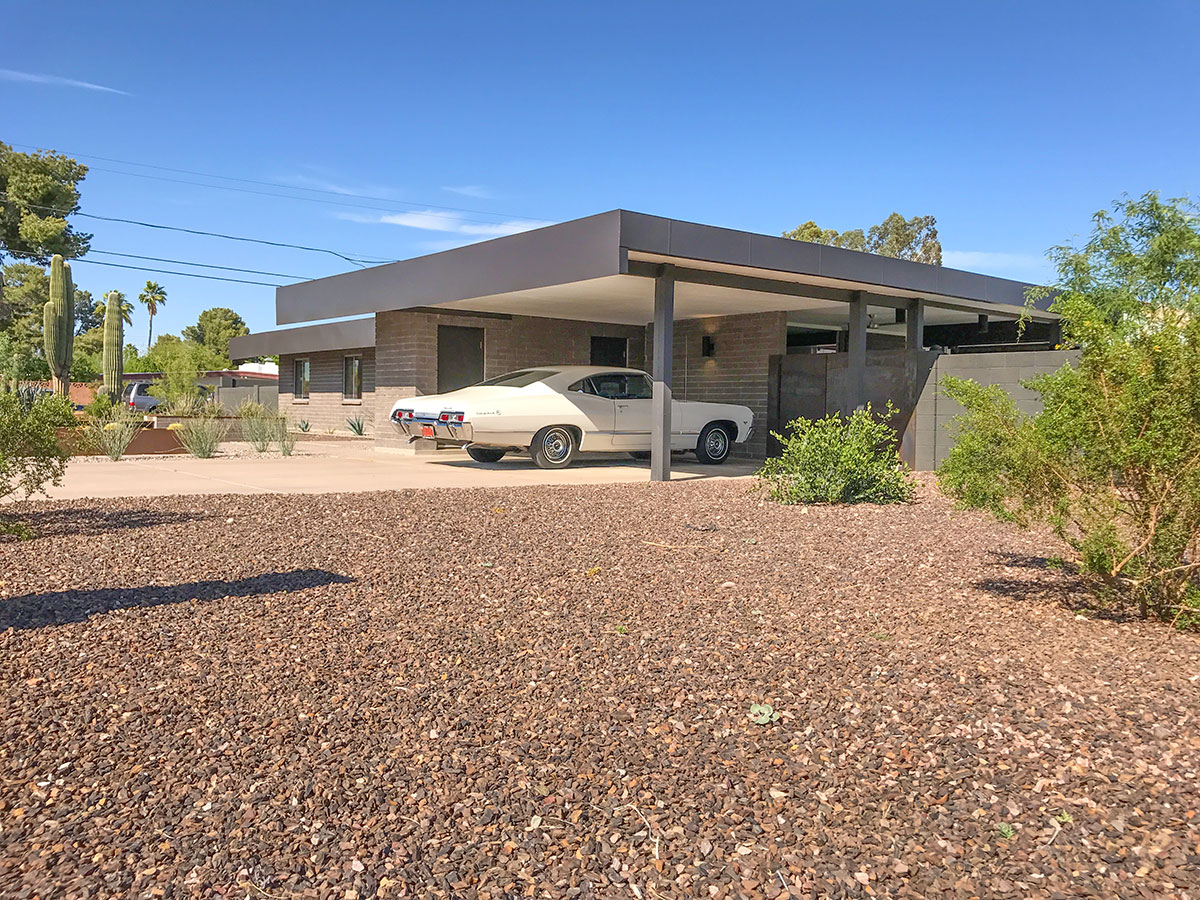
(38, 191)
(214, 329)
(86, 317)
(27, 288)
(915, 239)
(126, 308)
(152, 297)
(1112, 462)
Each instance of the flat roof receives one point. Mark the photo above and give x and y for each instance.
(349, 335)
(601, 268)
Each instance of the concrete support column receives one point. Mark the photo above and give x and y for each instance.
(915, 322)
(856, 346)
(664, 348)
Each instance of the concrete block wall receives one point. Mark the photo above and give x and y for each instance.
(935, 412)
(325, 407)
(406, 351)
(739, 370)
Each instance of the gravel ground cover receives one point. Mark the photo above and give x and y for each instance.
(543, 692)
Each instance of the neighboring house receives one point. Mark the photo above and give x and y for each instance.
(785, 327)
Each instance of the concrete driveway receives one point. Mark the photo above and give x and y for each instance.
(328, 467)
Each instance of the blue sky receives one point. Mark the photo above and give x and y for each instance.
(1010, 122)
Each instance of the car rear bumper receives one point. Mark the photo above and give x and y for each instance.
(422, 427)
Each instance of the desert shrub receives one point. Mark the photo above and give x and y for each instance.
(304, 426)
(202, 434)
(284, 436)
(1112, 463)
(30, 454)
(356, 425)
(101, 405)
(111, 433)
(258, 425)
(838, 459)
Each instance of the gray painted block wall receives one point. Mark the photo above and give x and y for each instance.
(935, 412)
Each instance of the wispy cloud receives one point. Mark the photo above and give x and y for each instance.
(333, 186)
(472, 190)
(55, 81)
(446, 221)
(1021, 266)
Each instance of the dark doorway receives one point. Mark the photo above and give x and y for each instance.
(610, 351)
(459, 357)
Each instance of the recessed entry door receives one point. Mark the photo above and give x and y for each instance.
(610, 351)
(459, 357)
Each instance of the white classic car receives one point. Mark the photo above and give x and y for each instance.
(553, 412)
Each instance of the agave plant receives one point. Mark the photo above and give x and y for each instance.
(356, 425)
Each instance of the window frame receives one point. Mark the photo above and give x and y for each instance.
(297, 397)
(348, 398)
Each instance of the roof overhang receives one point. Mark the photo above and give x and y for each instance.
(601, 268)
(349, 335)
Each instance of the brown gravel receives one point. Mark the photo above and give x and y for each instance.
(543, 692)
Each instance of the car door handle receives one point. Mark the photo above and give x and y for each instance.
(622, 406)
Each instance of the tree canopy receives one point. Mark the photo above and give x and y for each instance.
(38, 192)
(214, 328)
(914, 239)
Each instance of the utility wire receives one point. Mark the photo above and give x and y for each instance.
(97, 262)
(126, 162)
(449, 216)
(184, 262)
(358, 261)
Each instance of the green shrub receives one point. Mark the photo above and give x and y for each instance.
(113, 432)
(101, 405)
(258, 425)
(30, 454)
(1112, 463)
(838, 460)
(284, 436)
(201, 435)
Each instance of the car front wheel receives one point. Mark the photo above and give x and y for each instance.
(714, 444)
(553, 447)
(485, 454)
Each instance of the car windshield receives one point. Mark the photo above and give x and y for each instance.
(518, 379)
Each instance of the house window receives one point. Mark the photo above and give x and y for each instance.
(352, 378)
(300, 380)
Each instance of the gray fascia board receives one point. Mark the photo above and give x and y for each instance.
(687, 240)
(350, 335)
(578, 250)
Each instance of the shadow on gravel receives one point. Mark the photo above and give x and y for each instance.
(1059, 582)
(65, 607)
(50, 522)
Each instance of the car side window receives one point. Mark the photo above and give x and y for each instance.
(610, 385)
(582, 386)
(638, 387)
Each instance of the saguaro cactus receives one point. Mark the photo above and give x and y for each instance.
(114, 346)
(58, 325)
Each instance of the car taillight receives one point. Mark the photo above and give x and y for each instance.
(444, 417)
(457, 417)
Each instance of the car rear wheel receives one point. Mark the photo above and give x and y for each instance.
(553, 447)
(714, 444)
(485, 454)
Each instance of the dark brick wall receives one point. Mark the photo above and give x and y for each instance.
(737, 372)
(406, 351)
(325, 407)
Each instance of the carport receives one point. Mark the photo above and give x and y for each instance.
(630, 268)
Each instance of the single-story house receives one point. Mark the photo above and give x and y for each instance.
(785, 327)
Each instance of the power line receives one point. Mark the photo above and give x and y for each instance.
(126, 162)
(358, 261)
(184, 262)
(97, 262)
(449, 216)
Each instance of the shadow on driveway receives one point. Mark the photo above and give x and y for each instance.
(65, 607)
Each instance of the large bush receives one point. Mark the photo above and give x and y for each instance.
(1112, 462)
(838, 459)
(30, 453)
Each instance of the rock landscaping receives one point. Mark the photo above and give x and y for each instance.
(547, 692)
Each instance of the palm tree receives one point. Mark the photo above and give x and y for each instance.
(126, 308)
(152, 298)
